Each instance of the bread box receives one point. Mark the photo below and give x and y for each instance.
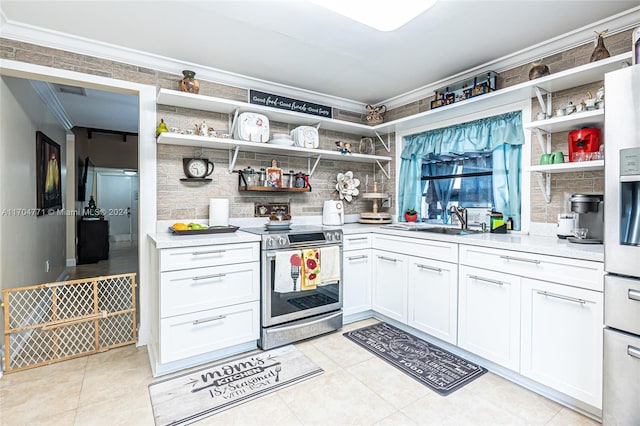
(252, 127)
(305, 137)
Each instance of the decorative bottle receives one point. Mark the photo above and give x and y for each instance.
(189, 83)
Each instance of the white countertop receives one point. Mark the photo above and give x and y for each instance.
(166, 240)
(551, 246)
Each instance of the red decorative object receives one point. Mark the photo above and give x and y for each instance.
(411, 217)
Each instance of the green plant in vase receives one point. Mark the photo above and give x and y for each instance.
(410, 215)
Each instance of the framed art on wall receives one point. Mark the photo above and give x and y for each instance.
(48, 175)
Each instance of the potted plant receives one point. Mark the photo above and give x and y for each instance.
(410, 215)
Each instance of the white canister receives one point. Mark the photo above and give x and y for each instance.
(566, 225)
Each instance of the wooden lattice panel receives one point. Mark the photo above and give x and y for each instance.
(53, 322)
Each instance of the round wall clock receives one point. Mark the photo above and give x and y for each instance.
(197, 168)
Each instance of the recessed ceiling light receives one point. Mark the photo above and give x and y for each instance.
(383, 15)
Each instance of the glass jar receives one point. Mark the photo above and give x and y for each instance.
(250, 176)
(262, 177)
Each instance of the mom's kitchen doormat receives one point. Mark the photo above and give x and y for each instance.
(193, 396)
(432, 366)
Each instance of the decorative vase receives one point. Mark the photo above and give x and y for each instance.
(538, 70)
(411, 217)
(600, 52)
(188, 83)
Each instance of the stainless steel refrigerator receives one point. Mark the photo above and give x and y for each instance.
(621, 381)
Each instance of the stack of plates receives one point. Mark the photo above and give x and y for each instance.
(278, 225)
(281, 139)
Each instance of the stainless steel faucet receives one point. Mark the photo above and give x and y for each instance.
(461, 214)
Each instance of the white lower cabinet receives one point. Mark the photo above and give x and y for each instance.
(433, 297)
(184, 336)
(206, 301)
(390, 284)
(356, 275)
(562, 338)
(489, 315)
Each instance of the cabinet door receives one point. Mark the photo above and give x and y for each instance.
(390, 285)
(562, 338)
(489, 315)
(433, 298)
(357, 281)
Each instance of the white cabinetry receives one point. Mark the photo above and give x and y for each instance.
(390, 285)
(357, 268)
(207, 304)
(415, 282)
(562, 339)
(433, 298)
(489, 315)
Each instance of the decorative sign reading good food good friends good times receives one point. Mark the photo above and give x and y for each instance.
(281, 102)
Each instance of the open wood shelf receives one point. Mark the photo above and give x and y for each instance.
(270, 189)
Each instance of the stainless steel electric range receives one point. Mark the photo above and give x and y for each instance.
(301, 283)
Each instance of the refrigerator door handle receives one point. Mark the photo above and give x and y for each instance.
(634, 295)
(633, 351)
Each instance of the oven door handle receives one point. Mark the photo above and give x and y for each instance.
(270, 254)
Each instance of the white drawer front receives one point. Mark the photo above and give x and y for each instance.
(574, 272)
(356, 242)
(214, 255)
(437, 250)
(193, 290)
(194, 334)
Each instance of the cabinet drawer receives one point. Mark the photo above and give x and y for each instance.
(193, 290)
(189, 335)
(437, 250)
(356, 242)
(213, 255)
(574, 272)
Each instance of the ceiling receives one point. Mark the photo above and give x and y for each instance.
(301, 45)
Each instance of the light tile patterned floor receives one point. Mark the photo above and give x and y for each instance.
(356, 389)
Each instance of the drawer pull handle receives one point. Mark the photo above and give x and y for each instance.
(486, 280)
(201, 277)
(430, 268)
(634, 295)
(357, 239)
(206, 277)
(216, 318)
(197, 253)
(633, 351)
(388, 259)
(362, 256)
(568, 298)
(520, 259)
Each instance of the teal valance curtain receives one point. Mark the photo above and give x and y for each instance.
(501, 134)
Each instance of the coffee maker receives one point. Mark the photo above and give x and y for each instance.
(590, 212)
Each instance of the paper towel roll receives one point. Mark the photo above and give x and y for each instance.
(218, 212)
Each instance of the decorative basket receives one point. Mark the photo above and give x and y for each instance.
(376, 115)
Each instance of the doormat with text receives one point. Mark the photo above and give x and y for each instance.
(432, 366)
(193, 396)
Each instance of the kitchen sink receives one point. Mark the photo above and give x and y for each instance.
(448, 231)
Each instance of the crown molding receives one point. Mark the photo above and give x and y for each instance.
(579, 37)
(48, 95)
(57, 40)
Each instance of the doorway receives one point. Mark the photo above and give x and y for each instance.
(146, 150)
(117, 197)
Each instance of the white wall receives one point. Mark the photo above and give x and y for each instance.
(27, 240)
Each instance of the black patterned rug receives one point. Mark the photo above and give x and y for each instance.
(432, 366)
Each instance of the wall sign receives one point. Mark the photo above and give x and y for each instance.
(281, 102)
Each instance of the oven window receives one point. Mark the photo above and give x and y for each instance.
(287, 302)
